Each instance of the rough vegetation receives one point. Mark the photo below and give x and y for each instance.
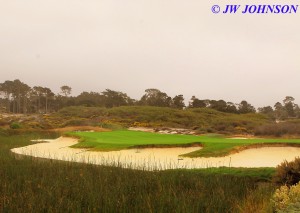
(201, 120)
(287, 199)
(288, 173)
(279, 129)
(198, 121)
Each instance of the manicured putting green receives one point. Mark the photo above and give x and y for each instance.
(212, 145)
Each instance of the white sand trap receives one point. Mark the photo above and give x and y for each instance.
(157, 158)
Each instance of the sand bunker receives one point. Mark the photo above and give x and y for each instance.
(157, 158)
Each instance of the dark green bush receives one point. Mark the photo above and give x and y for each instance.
(15, 125)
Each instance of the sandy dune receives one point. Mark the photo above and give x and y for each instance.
(157, 158)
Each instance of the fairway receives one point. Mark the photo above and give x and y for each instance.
(213, 146)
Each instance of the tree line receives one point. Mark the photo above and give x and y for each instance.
(281, 111)
(18, 97)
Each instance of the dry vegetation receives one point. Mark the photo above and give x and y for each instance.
(80, 128)
(285, 129)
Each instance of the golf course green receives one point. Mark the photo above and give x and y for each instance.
(213, 145)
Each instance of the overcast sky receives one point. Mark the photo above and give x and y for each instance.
(177, 46)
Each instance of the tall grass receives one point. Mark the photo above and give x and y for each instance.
(35, 185)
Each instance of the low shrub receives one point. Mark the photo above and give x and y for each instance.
(34, 125)
(78, 122)
(288, 173)
(286, 199)
(15, 125)
(109, 125)
(280, 129)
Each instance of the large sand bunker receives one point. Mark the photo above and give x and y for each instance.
(157, 158)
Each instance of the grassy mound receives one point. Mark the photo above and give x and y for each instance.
(203, 120)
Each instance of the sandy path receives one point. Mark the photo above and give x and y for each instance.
(157, 158)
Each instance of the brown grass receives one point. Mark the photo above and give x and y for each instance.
(80, 128)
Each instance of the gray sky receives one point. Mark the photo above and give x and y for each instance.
(179, 47)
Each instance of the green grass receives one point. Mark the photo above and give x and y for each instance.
(212, 145)
(117, 140)
(34, 185)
